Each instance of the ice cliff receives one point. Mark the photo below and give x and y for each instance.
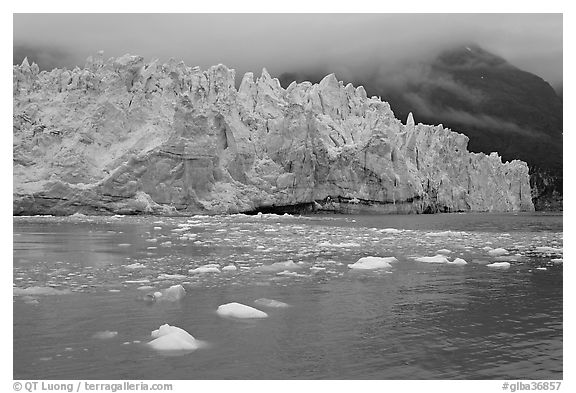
(122, 136)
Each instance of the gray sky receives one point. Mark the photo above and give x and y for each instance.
(350, 43)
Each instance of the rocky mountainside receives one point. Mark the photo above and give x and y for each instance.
(121, 136)
(497, 105)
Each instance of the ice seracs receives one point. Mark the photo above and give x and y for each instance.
(241, 311)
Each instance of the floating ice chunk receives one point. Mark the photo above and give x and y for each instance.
(105, 335)
(210, 268)
(165, 276)
(550, 250)
(229, 268)
(444, 251)
(124, 245)
(541, 268)
(145, 288)
(498, 252)
(143, 281)
(157, 228)
(499, 265)
(338, 245)
(390, 230)
(271, 303)
(435, 259)
(279, 266)
(557, 260)
(514, 258)
(174, 293)
(287, 273)
(30, 300)
(172, 338)
(237, 310)
(458, 261)
(446, 233)
(372, 263)
(39, 291)
(317, 268)
(135, 266)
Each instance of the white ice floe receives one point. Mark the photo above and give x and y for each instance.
(557, 260)
(105, 335)
(229, 268)
(435, 259)
(270, 303)
(39, 291)
(444, 251)
(458, 261)
(165, 276)
(174, 293)
(339, 245)
(237, 310)
(541, 268)
(124, 245)
(172, 338)
(446, 233)
(549, 250)
(142, 281)
(498, 252)
(135, 266)
(499, 265)
(279, 266)
(390, 230)
(209, 268)
(317, 268)
(145, 288)
(372, 263)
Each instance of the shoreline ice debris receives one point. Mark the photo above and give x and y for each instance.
(438, 258)
(271, 303)
(241, 311)
(499, 265)
(172, 338)
(372, 263)
(105, 335)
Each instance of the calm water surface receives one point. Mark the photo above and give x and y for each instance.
(414, 320)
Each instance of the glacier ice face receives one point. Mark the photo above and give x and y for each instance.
(123, 137)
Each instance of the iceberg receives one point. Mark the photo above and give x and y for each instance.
(105, 335)
(458, 261)
(372, 263)
(174, 293)
(498, 252)
(172, 338)
(39, 291)
(271, 303)
(435, 259)
(279, 267)
(209, 268)
(499, 265)
(237, 310)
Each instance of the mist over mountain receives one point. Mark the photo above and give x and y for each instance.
(472, 91)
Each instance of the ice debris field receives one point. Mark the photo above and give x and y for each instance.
(157, 260)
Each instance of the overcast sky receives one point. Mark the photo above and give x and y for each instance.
(349, 43)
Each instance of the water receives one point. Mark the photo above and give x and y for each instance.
(414, 320)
